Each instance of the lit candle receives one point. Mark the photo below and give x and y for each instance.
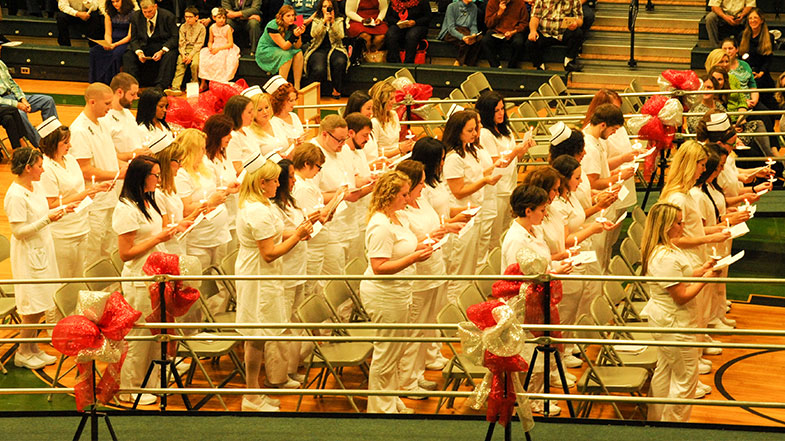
(747, 203)
(172, 216)
(442, 222)
(133, 156)
(220, 181)
(610, 186)
(728, 222)
(620, 181)
(713, 251)
(602, 216)
(576, 243)
(93, 179)
(204, 196)
(61, 201)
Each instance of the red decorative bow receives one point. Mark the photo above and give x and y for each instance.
(96, 332)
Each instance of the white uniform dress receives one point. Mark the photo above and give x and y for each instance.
(595, 162)
(128, 218)
(224, 170)
(427, 295)
(290, 131)
(268, 143)
(676, 375)
(465, 253)
(171, 207)
(150, 134)
(487, 215)
(70, 232)
(261, 301)
(386, 135)
(387, 301)
(241, 145)
(94, 142)
(495, 146)
(32, 247)
(619, 144)
(308, 197)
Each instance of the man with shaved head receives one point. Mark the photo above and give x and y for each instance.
(92, 146)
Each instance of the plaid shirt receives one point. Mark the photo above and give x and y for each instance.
(552, 12)
(8, 85)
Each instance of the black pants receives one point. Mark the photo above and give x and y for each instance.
(317, 68)
(12, 123)
(588, 16)
(467, 53)
(492, 45)
(408, 38)
(162, 71)
(92, 28)
(573, 40)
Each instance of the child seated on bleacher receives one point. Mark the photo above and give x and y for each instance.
(192, 34)
(221, 57)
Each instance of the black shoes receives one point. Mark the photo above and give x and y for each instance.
(573, 66)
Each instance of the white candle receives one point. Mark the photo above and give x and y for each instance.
(747, 202)
(93, 179)
(468, 206)
(602, 216)
(713, 251)
(220, 181)
(133, 156)
(610, 186)
(442, 223)
(61, 201)
(728, 222)
(576, 243)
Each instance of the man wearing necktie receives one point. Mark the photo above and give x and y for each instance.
(152, 51)
(244, 16)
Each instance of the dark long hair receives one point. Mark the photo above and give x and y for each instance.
(319, 14)
(126, 7)
(282, 196)
(234, 109)
(486, 107)
(716, 152)
(133, 185)
(356, 101)
(145, 111)
(452, 133)
(430, 151)
(566, 166)
(216, 128)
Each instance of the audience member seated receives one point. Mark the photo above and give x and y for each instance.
(460, 29)
(153, 46)
(326, 59)
(83, 15)
(245, 18)
(12, 95)
(552, 22)
(221, 57)
(306, 9)
(507, 21)
(366, 21)
(106, 59)
(191, 39)
(279, 47)
(204, 9)
(726, 19)
(588, 7)
(407, 25)
(756, 44)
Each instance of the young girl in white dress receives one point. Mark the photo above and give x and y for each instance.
(220, 59)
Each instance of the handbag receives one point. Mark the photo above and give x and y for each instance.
(419, 56)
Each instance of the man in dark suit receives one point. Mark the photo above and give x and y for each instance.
(245, 16)
(153, 44)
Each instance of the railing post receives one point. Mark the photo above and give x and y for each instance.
(631, 18)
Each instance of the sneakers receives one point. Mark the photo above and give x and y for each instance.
(704, 366)
(300, 378)
(289, 384)
(556, 380)
(412, 393)
(702, 390)
(438, 364)
(427, 384)
(538, 406)
(264, 406)
(712, 351)
(720, 324)
(571, 361)
(29, 361)
(46, 358)
(144, 399)
(729, 322)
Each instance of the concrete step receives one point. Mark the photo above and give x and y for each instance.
(648, 47)
(663, 20)
(770, 6)
(617, 75)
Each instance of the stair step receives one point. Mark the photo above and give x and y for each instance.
(658, 3)
(648, 47)
(617, 75)
(667, 19)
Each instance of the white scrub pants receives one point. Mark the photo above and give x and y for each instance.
(422, 310)
(676, 376)
(140, 353)
(316, 250)
(463, 261)
(336, 255)
(501, 222)
(384, 373)
(101, 241)
(70, 253)
(212, 256)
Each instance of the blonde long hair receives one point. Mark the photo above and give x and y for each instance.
(381, 93)
(681, 174)
(764, 38)
(387, 187)
(714, 58)
(175, 151)
(661, 219)
(193, 141)
(256, 100)
(251, 188)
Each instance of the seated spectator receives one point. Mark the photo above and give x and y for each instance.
(460, 29)
(11, 95)
(366, 21)
(407, 25)
(727, 19)
(221, 57)
(756, 42)
(307, 9)
(507, 21)
(551, 23)
(13, 124)
(192, 34)
(245, 18)
(326, 59)
(589, 13)
(204, 10)
(279, 47)
(82, 15)
(153, 46)
(106, 59)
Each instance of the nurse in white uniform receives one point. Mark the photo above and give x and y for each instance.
(242, 143)
(392, 249)
(260, 233)
(672, 305)
(262, 129)
(32, 249)
(386, 126)
(285, 121)
(138, 223)
(151, 114)
(218, 129)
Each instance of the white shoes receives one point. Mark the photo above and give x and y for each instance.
(412, 393)
(702, 390)
(46, 358)
(300, 378)
(144, 400)
(438, 364)
(266, 405)
(29, 361)
(556, 380)
(719, 324)
(427, 384)
(712, 351)
(571, 361)
(729, 322)
(538, 406)
(288, 384)
(704, 366)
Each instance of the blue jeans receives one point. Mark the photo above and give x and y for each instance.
(43, 103)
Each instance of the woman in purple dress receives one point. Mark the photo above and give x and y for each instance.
(106, 58)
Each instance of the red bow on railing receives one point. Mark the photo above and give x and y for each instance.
(96, 333)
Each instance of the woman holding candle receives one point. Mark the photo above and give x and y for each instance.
(32, 249)
(151, 113)
(386, 126)
(260, 231)
(392, 248)
(241, 143)
(673, 305)
(218, 129)
(285, 120)
(267, 136)
(63, 184)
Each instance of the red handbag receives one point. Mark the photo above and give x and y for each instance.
(419, 56)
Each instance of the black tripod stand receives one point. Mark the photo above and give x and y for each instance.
(508, 426)
(93, 417)
(164, 361)
(548, 351)
(661, 165)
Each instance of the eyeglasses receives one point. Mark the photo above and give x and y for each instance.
(341, 141)
(157, 175)
(176, 160)
(318, 166)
